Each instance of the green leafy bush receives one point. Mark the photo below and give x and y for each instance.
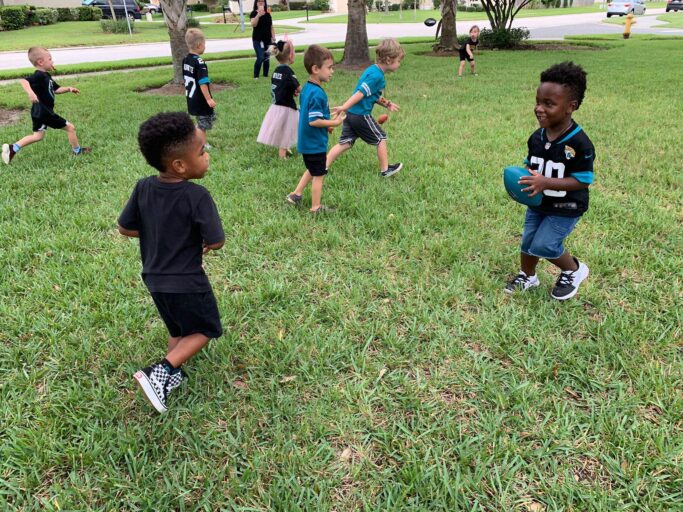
(275, 8)
(192, 23)
(44, 16)
(65, 14)
(321, 5)
(84, 13)
(13, 17)
(95, 13)
(503, 38)
(297, 6)
(119, 26)
(199, 8)
(437, 4)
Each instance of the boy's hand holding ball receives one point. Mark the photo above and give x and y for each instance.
(339, 116)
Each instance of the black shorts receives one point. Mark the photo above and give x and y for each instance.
(189, 313)
(363, 127)
(44, 117)
(316, 163)
(465, 56)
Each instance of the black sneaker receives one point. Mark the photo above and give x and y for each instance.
(391, 170)
(293, 199)
(569, 281)
(8, 153)
(175, 380)
(521, 283)
(153, 381)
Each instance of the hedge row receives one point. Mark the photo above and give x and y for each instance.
(17, 17)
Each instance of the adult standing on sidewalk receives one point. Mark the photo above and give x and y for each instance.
(262, 35)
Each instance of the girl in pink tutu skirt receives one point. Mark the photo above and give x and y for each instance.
(279, 127)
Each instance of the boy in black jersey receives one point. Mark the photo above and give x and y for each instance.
(41, 89)
(560, 163)
(177, 223)
(200, 103)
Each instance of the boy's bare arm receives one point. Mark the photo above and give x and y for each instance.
(207, 95)
(62, 90)
(355, 98)
(27, 88)
(389, 105)
(213, 247)
(129, 232)
(327, 123)
(537, 183)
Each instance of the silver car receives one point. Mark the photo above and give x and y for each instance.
(623, 7)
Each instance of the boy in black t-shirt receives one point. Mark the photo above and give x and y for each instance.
(200, 102)
(467, 51)
(41, 89)
(177, 222)
(560, 163)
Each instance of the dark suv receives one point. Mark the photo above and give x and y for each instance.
(674, 5)
(130, 8)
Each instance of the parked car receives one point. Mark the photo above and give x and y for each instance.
(151, 8)
(623, 7)
(130, 8)
(674, 5)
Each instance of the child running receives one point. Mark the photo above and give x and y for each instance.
(314, 122)
(467, 51)
(279, 127)
(41, 89)
(560, 163)
(359, 122)
(177, 222)
(200, 102)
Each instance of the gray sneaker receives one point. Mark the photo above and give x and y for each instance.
(521, 283)
(323, 209)
(293, 199)
(391, 170)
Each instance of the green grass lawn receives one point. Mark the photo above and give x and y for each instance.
(409, 16)
(370, 359)
(86, 33)
(672, 19)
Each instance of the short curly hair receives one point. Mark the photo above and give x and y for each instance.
(163, 136)
(569, 75)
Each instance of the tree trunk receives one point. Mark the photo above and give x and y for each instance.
(449, 36)
(356, 52)
(111, 8)
(176, 22)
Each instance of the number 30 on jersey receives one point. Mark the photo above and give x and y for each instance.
(549, 169)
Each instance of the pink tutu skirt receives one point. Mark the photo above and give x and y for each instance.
(279, 127)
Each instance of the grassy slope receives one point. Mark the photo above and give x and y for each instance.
(672, 19)
(419, 385)
(86, 33)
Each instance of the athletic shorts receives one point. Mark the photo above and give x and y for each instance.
(465, 56)
(44, 117)
(316, 163)
(189, 313)
(363, 127)
(205, 123)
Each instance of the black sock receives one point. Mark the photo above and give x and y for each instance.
(169, 367)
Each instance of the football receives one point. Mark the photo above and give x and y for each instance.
(383, 118)
(511, 176)
(430, 22)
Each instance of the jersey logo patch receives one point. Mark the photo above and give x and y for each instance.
(569, 152)
(547, 145)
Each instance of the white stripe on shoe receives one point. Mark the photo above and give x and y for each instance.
(149, 391)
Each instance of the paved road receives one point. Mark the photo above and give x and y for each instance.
(545, 27)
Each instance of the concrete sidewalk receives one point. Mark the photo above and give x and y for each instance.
(544, 27)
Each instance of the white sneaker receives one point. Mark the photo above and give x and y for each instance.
(568, 283)
(521, 283)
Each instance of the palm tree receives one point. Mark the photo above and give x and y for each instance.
(176, 21)
(356, 52)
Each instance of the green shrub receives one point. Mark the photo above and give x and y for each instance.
(65, 14)
(192, 23)
(275, 8)
(119, 26)
(46, 16)
(84, 13)
(297, 6)
(199, 8)
(13, 17)
(503, 38)
(410, 4)
(437, 4)
(321, 5)
(95, 13)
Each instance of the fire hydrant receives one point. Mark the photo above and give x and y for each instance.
(627, 26)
